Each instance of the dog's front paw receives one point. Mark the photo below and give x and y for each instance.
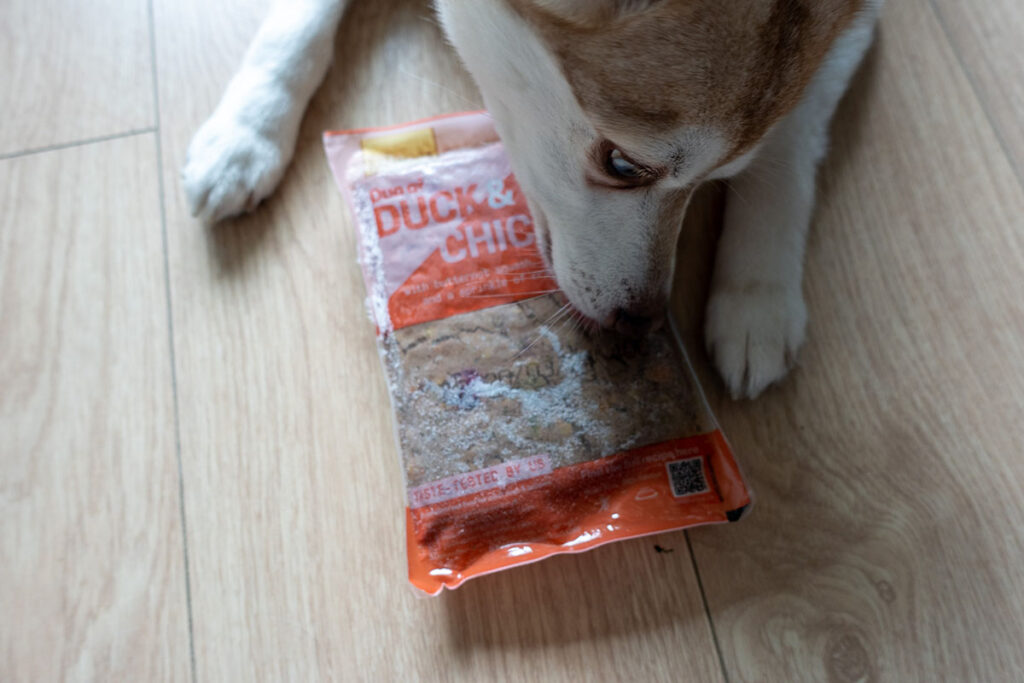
(753, 334)
(230, 168)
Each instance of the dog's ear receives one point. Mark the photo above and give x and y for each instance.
(592, 11)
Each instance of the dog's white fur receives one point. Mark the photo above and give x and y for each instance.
(238, 156)
(602, 243)
(756, 317)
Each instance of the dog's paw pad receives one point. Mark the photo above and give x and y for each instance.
(230, 169)
(753, 335)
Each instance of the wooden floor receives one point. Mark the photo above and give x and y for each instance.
(198, 478)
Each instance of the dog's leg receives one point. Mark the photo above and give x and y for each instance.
(756, 317)
(238, 156)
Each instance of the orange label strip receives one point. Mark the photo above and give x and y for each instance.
(572, 509)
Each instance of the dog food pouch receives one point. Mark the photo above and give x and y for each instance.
(522, 432)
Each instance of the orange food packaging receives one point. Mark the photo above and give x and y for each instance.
(523, 433)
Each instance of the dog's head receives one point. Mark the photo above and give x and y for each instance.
(612, 111)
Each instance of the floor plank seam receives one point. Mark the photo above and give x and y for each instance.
(1010, 158)
(170, 341)
(707, 609)
(77, 143)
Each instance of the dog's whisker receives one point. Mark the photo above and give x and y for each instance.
(733, 190)
(534, 276)
(509, 294)
(549, 322)
(556, 315)
(575, 324)
(465, 100)
(533, 273)
(567, 325)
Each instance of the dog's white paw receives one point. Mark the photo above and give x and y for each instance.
(230, 168)
(753, 334)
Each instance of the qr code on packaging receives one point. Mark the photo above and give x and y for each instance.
(687, 477)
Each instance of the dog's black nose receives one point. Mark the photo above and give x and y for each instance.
(636, 322)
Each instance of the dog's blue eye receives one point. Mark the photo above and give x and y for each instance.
(621, 167)
(618, 171)
(625, 171)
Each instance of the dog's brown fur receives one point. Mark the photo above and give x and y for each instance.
(689, 62)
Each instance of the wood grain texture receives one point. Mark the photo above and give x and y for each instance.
(987, 38)
(886, 542)
(91, 582)
(294, 494)
(73, 70)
